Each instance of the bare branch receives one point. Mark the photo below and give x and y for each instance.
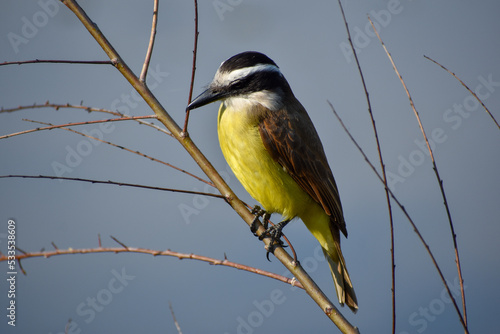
(414, 226)
(193, 68)
(145, 67)
(118, 242)
(53, 61)
(66, 328)
(111, 183)
(72, 124)
(122, 148)
(175, 320)
(466, 87)
(463, 319)
(126, 249)
(382, 166)
(21, 266)
(59, 106)
(89, 109)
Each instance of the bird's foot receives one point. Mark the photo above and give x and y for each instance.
(275, 233)
(258, 212)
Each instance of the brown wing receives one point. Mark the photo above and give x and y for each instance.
(291, 139)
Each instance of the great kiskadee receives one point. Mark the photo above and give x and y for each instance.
(272, 147)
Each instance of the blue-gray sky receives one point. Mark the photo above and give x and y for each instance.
(129, 293)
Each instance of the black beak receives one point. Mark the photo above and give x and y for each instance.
(208, 96)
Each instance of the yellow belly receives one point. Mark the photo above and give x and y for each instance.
(263, 178)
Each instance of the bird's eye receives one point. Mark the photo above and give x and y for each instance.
(238, 84)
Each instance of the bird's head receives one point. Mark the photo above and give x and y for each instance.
(246, 78)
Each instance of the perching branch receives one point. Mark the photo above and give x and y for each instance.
(309, 285)
(463, 319)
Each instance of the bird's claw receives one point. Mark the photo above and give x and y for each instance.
(258, 212)
(274, 232)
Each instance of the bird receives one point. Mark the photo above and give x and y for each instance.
(274, 150)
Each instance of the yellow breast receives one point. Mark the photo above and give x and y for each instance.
(263, 178)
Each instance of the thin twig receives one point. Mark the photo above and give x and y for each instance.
(126, 249)
(463, 318)
(125, 149)
(20, 250)
(66, 328)
(145, 67)
(193, 68)
(53, 61)
(414, 226)
(466, 87)
(86, 108)
(58, 106)
(73, 124)
(21, 266)
(112, 183)
(119, 242)
(382, 166)
(175, 320)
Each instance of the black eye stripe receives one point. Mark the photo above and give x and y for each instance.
(255, 82)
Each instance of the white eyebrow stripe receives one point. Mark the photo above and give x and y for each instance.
(223, 79)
